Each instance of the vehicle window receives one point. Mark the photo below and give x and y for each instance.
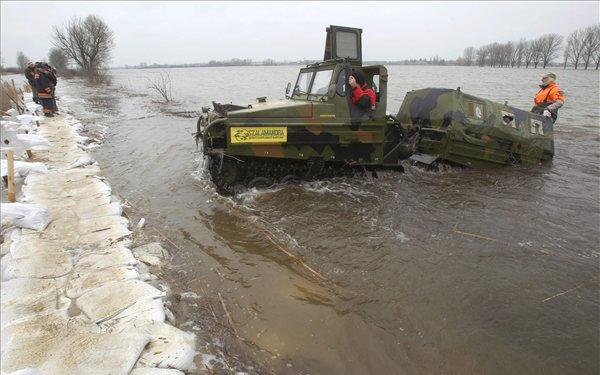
(341, 84)
(347, 44)
(302, 85)
(321, 82)
(375, 85)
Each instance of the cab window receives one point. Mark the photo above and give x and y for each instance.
(341, 83)
(302, 85)
(320, 84)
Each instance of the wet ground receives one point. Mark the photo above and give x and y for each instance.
(454, 272)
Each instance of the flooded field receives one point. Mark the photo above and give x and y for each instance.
(456, 272)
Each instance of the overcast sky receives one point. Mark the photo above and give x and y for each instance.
(190, 32)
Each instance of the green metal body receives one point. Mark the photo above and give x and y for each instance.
(475, 132)
(319, 123)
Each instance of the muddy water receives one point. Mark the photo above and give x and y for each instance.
(424, 273)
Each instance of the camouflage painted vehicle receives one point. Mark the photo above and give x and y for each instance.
(463, 129)
(317, 132)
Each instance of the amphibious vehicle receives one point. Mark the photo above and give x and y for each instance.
(317, 132)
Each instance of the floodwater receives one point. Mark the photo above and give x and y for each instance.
(453, 272)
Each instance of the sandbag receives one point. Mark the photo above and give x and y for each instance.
(32, 107)
(25, 371)
(23, 167)
(25, 215)
(33, 140)
(29, 119)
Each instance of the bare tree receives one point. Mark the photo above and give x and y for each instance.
(567, 55)
(87, 42)
(549, 47)
(162, 85)
(536, 49)
(575, 47)
(495, 54)
(469, 56)
(591, 43)
(520, 52)
(22, 60)
(506, 53)
(58, 59)
(529, 52)
(482, 55)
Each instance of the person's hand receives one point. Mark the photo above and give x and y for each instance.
(547, 113)
(352, 81)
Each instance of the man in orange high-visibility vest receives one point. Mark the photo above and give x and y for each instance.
(550, 97)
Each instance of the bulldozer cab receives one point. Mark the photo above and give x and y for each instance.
(327, 82)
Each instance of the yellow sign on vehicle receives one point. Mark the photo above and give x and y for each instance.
(258, 135)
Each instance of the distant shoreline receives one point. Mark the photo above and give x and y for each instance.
(366, 63)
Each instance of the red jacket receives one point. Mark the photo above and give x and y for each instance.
(363, 97)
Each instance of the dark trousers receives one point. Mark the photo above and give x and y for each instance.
(54, 106)
(35, 94)
(47, 104)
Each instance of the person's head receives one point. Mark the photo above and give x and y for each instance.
(30, 64)
(359, 76)
(548, 78)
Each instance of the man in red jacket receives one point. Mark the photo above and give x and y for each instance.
(362, 96)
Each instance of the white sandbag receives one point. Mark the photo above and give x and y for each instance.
(110, 299)
(29, 119)
(33, 140)
(76, 353)
(152, 254)
(27, 306)
(10, 125)
(146, 311)
(154, 371)
(169, 347)
(25, 371)
(11, 112)
(11, 236)
(46, 323)
(25, 215)
(24, 128)
(42, 265)
(32, 106)
(83, 279)
(96, 259)
(23, 167)
(25, 289)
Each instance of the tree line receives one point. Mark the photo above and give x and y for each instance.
(85, 43)
(582, 49)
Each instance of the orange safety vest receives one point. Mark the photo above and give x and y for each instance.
(549, 94)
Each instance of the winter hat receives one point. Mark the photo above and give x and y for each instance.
(359, 76)
(550, 75)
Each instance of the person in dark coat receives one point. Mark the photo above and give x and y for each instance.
(362, 100)
(362, 96)
(51, 73)
(44, 85)
(30, 75)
